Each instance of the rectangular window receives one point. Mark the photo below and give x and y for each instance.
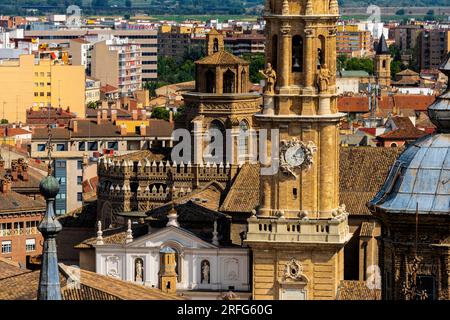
(6, 246)
(41, 147)
(36, 94)
(61, 147)
(80, 164)
(41, 94)
(41, 74)
(80, 196)
(113, 145)
(81, 146)
(30, 245)
(5, 229)
(18, 228)
(93, 146)
(31, 227)
(79, 180)
(60, 163)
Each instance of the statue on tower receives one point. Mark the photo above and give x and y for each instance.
(271, 78)
(323, 78)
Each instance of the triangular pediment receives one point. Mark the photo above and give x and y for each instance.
(171, 236)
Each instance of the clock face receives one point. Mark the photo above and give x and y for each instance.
(295, 156)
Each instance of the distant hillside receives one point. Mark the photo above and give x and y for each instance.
(190, 7)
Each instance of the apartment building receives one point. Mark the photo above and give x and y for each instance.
(146, 38)
(21, 210)
(434, 45)
(77, 148)
(118, 62)
(92, 90)
(81, 53)
(27, 83)
(353, 42)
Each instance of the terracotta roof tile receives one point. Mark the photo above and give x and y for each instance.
(367, 229)
(15, 202)
(244, 193)
(362, 174)
(93, 286)
(222, 57)
(10, 269)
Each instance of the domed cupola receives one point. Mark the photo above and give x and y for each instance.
(439, 111)
(420, 177)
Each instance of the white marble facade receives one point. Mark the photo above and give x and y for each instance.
(201, 265)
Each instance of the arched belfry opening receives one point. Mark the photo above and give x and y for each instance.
(297, 53)
(215, 42)
(210, 78)
(321, 54)
(274, 55)
(215, 45)
(229, 82)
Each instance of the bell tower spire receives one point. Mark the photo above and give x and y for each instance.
(300, 226)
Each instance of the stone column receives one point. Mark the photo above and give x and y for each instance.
(328, 170)
(309, 58)
(285, 53)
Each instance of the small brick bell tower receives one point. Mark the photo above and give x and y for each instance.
(167, 274)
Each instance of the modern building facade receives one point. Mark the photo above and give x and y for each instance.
(146, 38)
(353, 42)
(434, 45)
(26, 84)
(118, 62)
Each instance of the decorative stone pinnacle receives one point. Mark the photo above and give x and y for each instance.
(215, 239)
(285, 9)
(173, 219)
(309, 8)
(129, 237)
(99, 233)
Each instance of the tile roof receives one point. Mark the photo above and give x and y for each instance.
(400, 101)
(404, 130)
(363, 171)
(367, 229)
(12, 201)
(108, 89)
(114, 236)
(244, 193)
(222, 57)
(356, 290)
(10, 268)
(92, 286)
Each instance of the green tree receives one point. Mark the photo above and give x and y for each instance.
(257, 62)
(400, 12)
(128, 4)
(365, 64)
(92, 105)
(160, 113)
(4, 121)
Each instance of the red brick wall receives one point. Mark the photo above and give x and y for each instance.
(18, 250)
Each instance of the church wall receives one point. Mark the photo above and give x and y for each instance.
(228, 267)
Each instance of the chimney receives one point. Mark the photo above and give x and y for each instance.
(143, 129)
(24, 171)
(75, 126)
(123, 129)
(104, 115)
(144, 114)
(170, 116)
(99, 117)
(118, 104)
(14, 170)
(134, 114)
(113, 115)
(6, 185)
(104, 104)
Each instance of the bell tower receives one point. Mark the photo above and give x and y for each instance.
(297, 235)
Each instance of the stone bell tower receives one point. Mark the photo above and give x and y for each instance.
(383, 64)
(297, 235)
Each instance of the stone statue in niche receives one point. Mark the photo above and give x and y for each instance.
(139, 271)
(271, 78)
(323, 78)
(205, 272)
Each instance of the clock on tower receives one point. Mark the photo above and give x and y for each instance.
(300, 221)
